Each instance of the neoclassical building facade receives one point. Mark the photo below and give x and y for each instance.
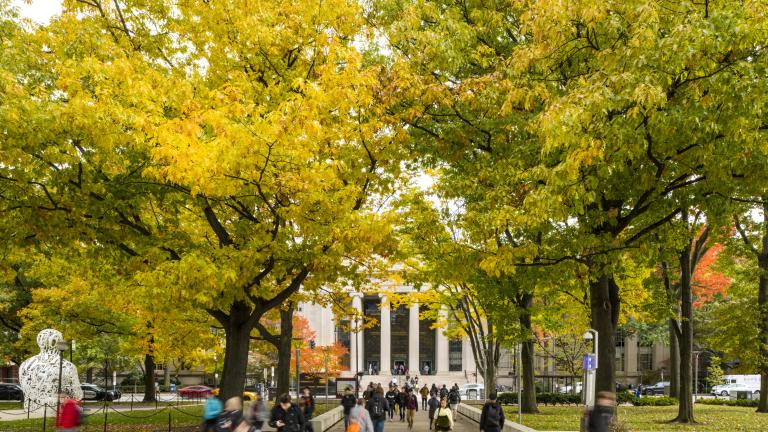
(399, 340)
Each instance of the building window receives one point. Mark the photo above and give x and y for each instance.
(644, 355)
(620, 336)
(455, 351)
(343, 337)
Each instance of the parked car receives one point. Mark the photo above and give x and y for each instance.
(655, 389)
(569, 389)
(731, 389)
(247, 395)
(471, 391)
(195, 391)
(11, 392)
(94, 392)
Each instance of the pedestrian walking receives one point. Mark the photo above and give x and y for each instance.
(391, 397)
(359, 418)
(453, 399)
(433, 390)
(492, 416)
(402, 397)
(377, 408)
(69, 416)
(258, 413)
(602, 414)
(286, 416)
(348, 401)
(424, 395)
(232, 416)
(443, 417)
(434, 404)
(307, 404)
(412, 405)
(211, 411)
(443, 392)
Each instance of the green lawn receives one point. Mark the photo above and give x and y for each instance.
(642, 419)
(140, 420)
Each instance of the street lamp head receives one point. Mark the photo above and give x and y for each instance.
(587, 336)
(62, 345)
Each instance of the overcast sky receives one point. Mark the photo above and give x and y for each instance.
(38, 10)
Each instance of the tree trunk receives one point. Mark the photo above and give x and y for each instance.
(149, 378)
(284, 351)
(685, 407)
(604, 304)
(674, 361)
(489, 376)
(238, 327)
(89, 375)
(167, 375)
(528, 404)
(762, 302)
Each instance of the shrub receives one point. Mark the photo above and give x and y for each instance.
(626, 397)
(728, 402)
(507, 398)
(543, 398)
(655, 401)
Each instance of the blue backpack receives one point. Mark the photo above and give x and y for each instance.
(212, 408)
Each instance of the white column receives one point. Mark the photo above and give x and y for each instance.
(386, 336)
(356, 335)
(441, 344)
(413, 338)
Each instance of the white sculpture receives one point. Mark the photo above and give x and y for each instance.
(39, 375)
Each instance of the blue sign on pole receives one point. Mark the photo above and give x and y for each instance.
(589, 362)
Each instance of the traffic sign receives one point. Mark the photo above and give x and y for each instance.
(589, 362)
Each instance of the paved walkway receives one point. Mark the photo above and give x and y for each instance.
(420, 424)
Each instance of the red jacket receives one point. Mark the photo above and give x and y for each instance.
(69, 415)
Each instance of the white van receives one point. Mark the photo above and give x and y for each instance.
(747, 380)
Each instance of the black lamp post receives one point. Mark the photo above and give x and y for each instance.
(61, 346)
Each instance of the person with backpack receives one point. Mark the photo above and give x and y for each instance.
(433, 404)
(443, 417)
(391, 398)
(348, 401)
(232, 416)
(443, 392)
(359, 418)
(402, 397)
(258, 413)
(492, 416)
(286, 416)
(412, 405)
(211, 411)
(453, 399)
(69, 416)
(377, 408)
(424, 395)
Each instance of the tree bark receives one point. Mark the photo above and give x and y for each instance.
(604, 305)
(238, 327)
(674, 361)
(284, 351)
(489, 377)
(685, 406)
(528, 403)
(762, 302)
(149, 378)
(167, 375)
(89, 375)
